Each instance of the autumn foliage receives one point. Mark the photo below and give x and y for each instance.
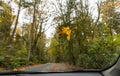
(67, 31)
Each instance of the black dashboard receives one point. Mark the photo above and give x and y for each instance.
(65, 74)
(60, 74)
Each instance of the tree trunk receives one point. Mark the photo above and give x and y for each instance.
(31, 33)
(16, 22)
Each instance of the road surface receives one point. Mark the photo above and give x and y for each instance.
(51, 67)
(38, 68)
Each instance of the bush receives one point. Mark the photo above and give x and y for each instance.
(18, 62)
(2, 60)
(101, 54)
(104, 52)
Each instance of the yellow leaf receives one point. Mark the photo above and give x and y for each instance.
(67, 31)
(21, 69)
(14, 69)
(68, 37)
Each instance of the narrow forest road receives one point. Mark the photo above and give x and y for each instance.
(48, 67)
(37, 68)
(51, 67)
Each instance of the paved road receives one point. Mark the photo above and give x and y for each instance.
(38, 68)
(51, 67)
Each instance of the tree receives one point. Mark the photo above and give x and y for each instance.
(16, 21)
(6, 21)
(110, 15)
(85, 33)
(36, 28)
(77, 17)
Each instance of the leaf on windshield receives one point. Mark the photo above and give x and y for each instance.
(67, 31)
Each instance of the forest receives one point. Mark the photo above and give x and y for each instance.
(79, 38)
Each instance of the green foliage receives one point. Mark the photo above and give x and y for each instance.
(5, 21)
(2, 60)
(16, 62)
(104, 51)
(22, 51)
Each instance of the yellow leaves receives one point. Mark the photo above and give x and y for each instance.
(14, 69)
(108, 5)
(68, 37)
(112, 4)
(19, 30)
(107, 8)
(0, 19)
(18, 69)
(117, 3)
(21, 69)
(67, 31)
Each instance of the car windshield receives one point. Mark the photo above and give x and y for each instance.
(58, 35)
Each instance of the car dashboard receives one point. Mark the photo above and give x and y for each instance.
(56, 74)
